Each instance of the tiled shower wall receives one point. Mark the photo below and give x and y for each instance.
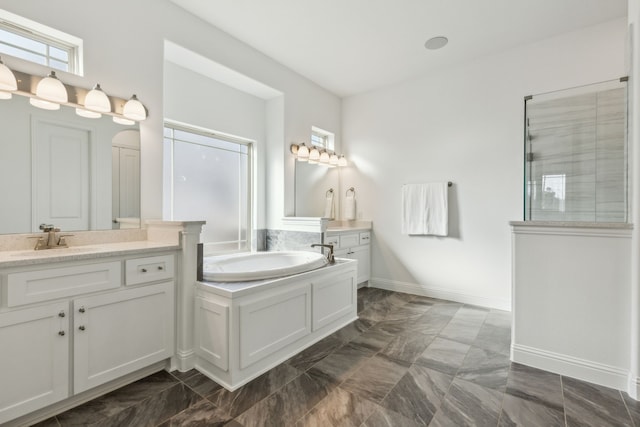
(577, 169)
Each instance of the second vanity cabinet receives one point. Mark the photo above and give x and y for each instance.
(353, 245)
(65, 330)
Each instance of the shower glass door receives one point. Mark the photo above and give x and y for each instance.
(576, 154)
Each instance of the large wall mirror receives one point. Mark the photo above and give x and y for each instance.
(62, 169)
(312, 185)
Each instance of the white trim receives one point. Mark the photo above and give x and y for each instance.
(633, 386)
(562, 364)
(585, 231)
(440, 293)
(305, 224)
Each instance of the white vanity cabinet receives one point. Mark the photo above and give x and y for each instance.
(353, 245)
(69, 327)
(34, 358)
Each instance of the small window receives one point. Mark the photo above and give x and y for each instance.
(34, 42)
(322, 139)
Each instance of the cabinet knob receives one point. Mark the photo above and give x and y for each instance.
(81, 310)
(61, 314)
(61, 333)
(160, 267)
(144, 270)
(81, 327)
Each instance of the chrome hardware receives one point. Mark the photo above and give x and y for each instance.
(81, 327)
(61, 333)
(144, 270)
(61, 314)
(330, 257)
(81, 310)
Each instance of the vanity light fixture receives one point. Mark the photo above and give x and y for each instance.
(7, 80)
(134, 110)
(5, 95)
(123, 121)
(314, 155)
(97, 100)
(324, 158)
(303, 153)
(51, 89)
(45, 105)
(87, 113)
(333, 160)
(342, 161)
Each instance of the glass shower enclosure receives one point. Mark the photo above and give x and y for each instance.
(576, 154)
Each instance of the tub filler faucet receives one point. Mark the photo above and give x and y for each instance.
(330, 257)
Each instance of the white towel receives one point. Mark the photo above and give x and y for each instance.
(425, 209)
(350, 206)
(329, 210)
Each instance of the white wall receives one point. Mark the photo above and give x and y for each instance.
(197, 100)
(124, 45)
(465, 125)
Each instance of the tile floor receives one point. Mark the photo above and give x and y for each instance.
(408, 361)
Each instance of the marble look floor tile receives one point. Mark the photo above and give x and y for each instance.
(49, 422)
(290, 403)
(340, 364)
(393, 327)
(312, 355)
(461, 330)
(407, 347)
(593, 405)
(634, 408)
(418, 394)
(535, 385)
(486, 368)
(443, 355)
(472, 313)
(494, 338)
(237, 402)
(383, 417)
(339, 408)
(405, 314)
(521, 412)
(201, 384)
(184, 375)
(154, 410)
(353, 330)
(118, 400)
(375, 378)
(374, 339)
(468, 404)
(203, 413)
(499, 318)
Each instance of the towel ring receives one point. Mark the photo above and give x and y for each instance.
(346, 193)
(328, 191)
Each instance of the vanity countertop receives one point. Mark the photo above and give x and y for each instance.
(348, 226)
(77, 253)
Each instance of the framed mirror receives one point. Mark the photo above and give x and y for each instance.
(62, 169)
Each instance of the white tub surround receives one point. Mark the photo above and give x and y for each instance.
(244, 329)
(570, 288)
(260, 265)
(352, 240)
(81, 321)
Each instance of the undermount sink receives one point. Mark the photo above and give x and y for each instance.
(53, 252)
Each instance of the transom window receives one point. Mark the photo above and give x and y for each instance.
(40, 44)
(322, 139)
(209, 178)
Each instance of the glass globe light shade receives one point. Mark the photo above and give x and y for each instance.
(51, 89)
(97, 100)
(134, 110)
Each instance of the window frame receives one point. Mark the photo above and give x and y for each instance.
(250, 144)
(51, 37)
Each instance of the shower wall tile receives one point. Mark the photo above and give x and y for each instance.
(285, 240)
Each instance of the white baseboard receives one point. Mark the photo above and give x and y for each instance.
(586, 370)
(440, 293)
(633, 386)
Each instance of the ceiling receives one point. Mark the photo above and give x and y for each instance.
(354, 46)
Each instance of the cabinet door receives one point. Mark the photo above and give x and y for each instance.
(363, 255)
(121, 332)
(34, 361)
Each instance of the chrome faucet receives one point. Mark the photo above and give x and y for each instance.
(330, 257)
(50, 241)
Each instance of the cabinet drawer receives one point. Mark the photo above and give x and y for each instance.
(43, 285)
(348, 240)
(149, 269)
(365, 238)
